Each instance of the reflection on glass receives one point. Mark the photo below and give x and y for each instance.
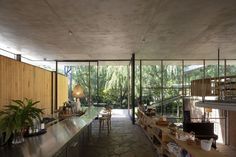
(211, 68)
(172, 74)
(230, 67)
(193, 70)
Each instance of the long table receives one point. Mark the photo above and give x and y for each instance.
(58, 139)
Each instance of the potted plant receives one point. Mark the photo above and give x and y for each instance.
(17, 116)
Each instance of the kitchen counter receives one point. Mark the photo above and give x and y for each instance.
(57, 138)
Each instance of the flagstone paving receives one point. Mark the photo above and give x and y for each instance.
(124, 140)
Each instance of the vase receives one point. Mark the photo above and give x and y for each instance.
(18, 138)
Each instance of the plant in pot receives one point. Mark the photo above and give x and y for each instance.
(17, 116)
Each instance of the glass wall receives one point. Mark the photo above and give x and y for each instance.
(48, 65)
(162, 86)
(165, 82)
(103, 82)
(211, 68)
(216, 115)
(93, 83)
(151, 83)
(113, 83)
(172, 88)
(138, 82)
(193, 70)
(78, 74)
(230, 67)
(161, 83)
(7, 54)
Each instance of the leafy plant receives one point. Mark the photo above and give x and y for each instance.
(18, 116)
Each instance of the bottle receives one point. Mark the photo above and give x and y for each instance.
(35, 130)
(37, 126)
(30, 130)
(42, 125)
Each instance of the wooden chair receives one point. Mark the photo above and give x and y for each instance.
(105, 117)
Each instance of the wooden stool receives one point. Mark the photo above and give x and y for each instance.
(105, 117)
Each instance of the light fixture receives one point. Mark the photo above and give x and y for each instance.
(207, 111)
(70, 32)
(78, 93)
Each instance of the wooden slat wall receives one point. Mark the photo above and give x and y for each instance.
(62, 87)
(19, 80)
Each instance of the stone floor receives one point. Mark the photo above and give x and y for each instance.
(124, 140)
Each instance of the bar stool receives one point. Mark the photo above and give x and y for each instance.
(105, 117)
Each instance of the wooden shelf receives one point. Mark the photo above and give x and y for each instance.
(193, 149)
(217, 105)
(169, 154)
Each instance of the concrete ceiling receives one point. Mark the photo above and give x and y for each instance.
(114, 29)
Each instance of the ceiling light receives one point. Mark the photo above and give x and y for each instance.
(70, 32)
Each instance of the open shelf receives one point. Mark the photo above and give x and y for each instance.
(160, 136)
(218, 105)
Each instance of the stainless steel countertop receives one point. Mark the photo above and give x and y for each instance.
(56, 138)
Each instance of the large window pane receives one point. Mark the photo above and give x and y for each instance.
(211, 68)
(174, 110)
(137, 79)
(171, 93)
(80, 75)
(7, 54)
(230, 67)
(172, 73)
(151, 82)
(193, 70)
(172, 88)
(93, 83)
(113, 83)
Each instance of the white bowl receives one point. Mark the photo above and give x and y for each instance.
(206, 145)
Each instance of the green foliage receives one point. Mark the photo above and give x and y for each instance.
(112, 83)
(231, 70)
(18, 115)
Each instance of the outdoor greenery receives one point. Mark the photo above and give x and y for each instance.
(162, 87)
(112, 84)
